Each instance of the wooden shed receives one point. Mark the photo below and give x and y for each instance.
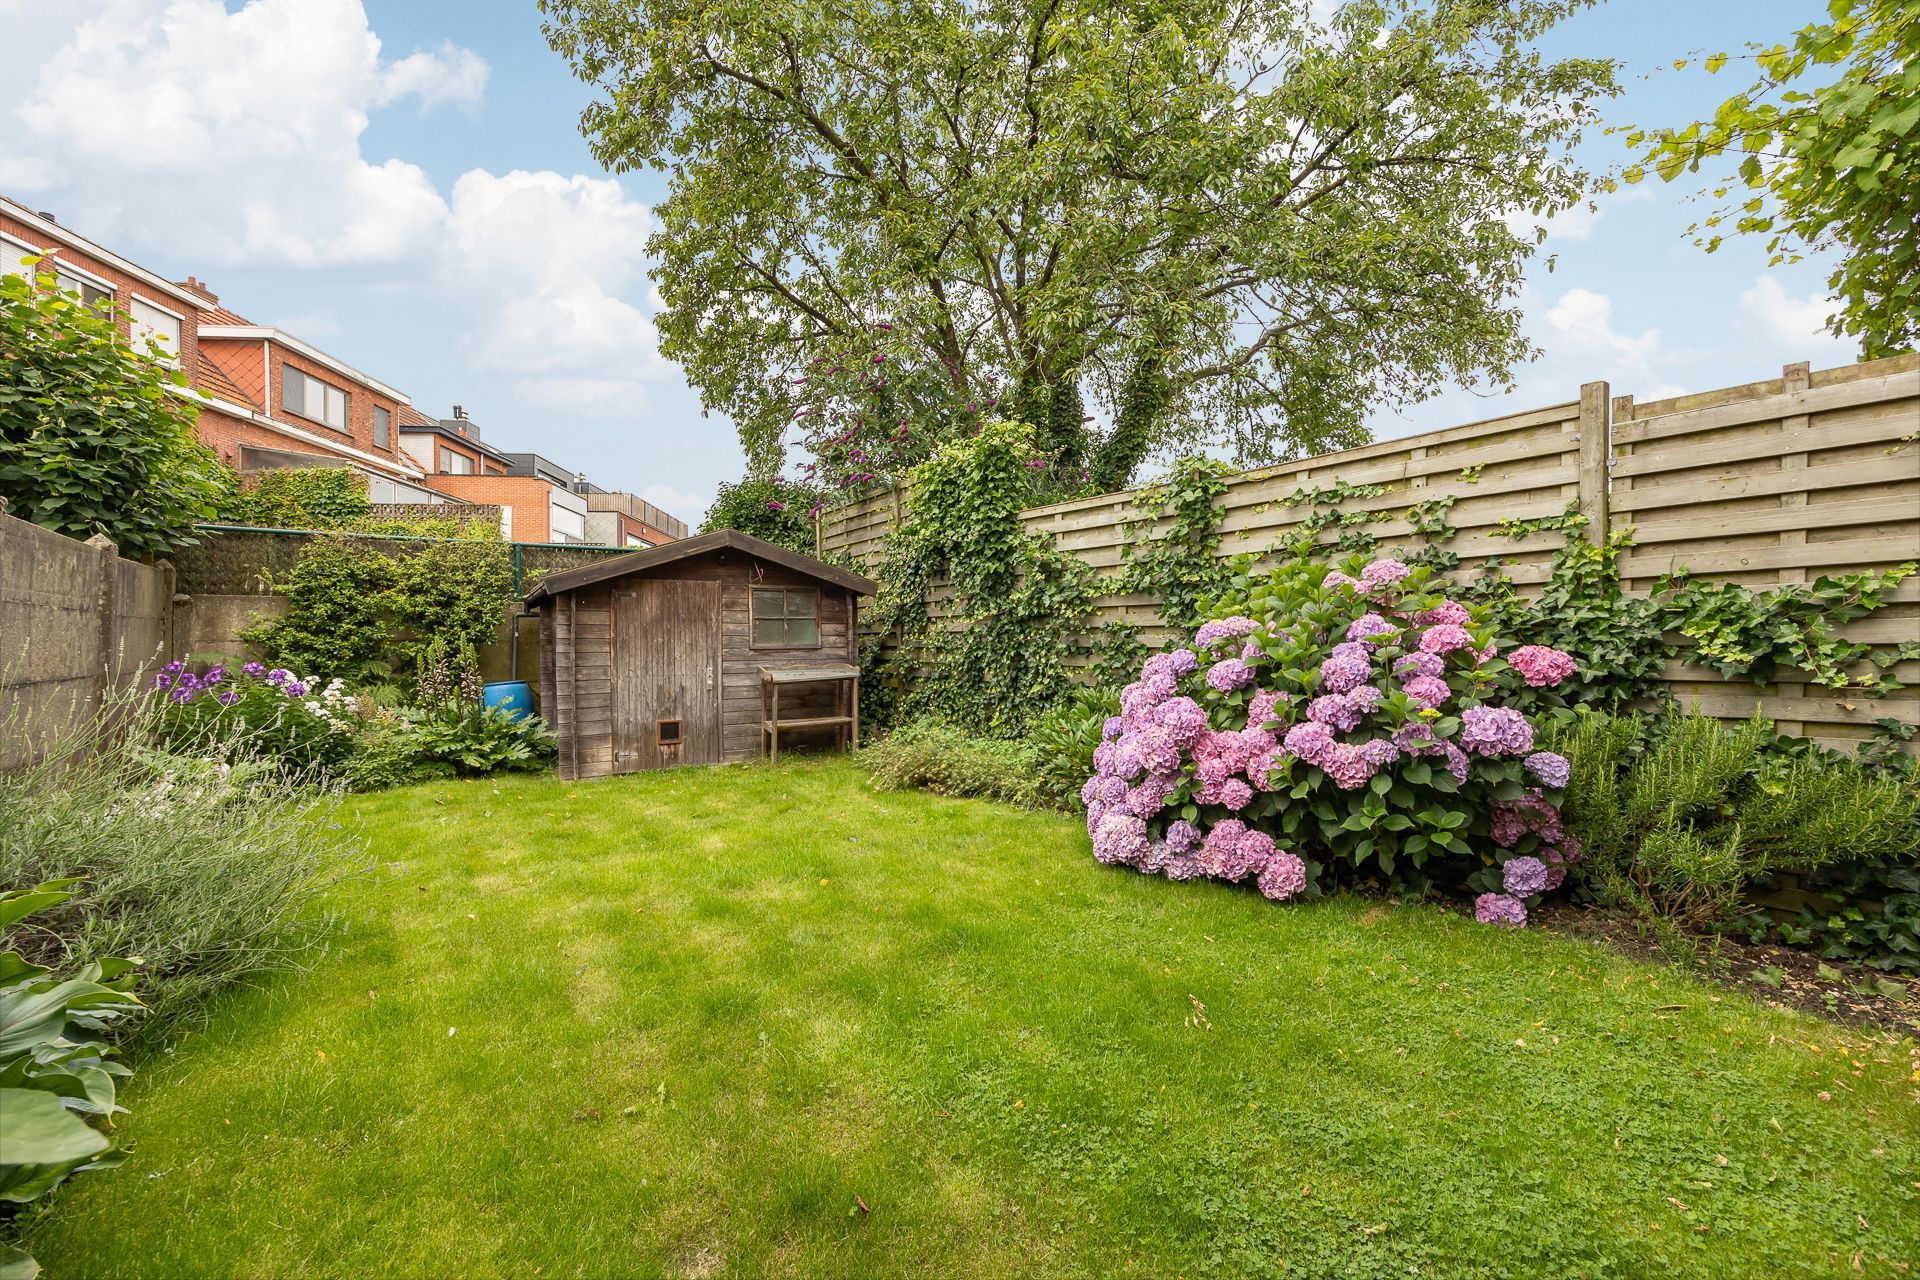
(664, 656)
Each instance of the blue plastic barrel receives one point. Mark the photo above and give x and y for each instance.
(511, 696)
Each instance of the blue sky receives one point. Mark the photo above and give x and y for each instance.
(403, 184)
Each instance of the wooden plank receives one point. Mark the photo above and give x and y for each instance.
(1799, 478)
(1886, 429)
(1903, 385)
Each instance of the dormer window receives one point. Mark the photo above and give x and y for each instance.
(313, 399)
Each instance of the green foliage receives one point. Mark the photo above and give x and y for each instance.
(56, 1065)
(1064, 740)
(454, 729)
(212, 872)
(1681, 814)
(1869, 913)
(932, 756)
(1823, 149)
(773, 510)
(301, 498)
(251, 718)
(1742, 632)
(1144, 206)
(93, 439)
(999, 656)
(362, 608)
(1618, 640)
(1182, 566)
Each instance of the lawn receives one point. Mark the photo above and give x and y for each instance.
(752, 1021)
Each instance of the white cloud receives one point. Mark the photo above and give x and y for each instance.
(239, 129)
(1584, 319)
(1791, 321)
(594, 397)
(448, 74)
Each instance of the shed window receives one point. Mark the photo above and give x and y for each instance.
(786, 618)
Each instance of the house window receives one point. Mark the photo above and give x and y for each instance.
(15, 256)
(454, 464)
(382, 427)
(566, 524)
(147, 322)
(90, 292)
(786, 618)
(312, 399)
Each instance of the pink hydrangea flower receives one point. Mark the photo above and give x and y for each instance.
(1235, 793)
(1499, 908)
(1495, 731)
(1212, 633)
(1336, 710)
(1445, 638)
(1182, 836)
(1223, 856)
(1335, 578)
(1309, 740)
(1261, 768)
(1264, 707)
(1120, 838)
(1550, 767)
(1283, 877)
(1155, 749)
(1420, 664)
(1447, 613)
(1228, 675)
(1541, 666)
(1382, 575)
(1368, 625)
(1347, 765)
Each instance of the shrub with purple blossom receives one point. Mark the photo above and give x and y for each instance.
(1362, 727)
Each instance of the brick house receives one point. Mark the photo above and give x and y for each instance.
(267, 399)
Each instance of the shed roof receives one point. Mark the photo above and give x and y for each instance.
(555, 584)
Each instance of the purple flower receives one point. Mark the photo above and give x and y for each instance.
(1368, 625)
(227, 697)
(1184, 866)
(183, 694)
(1212, 633)
(1341, 673)
(188, 680)
(1457, 762)
(279, 675)
(1119, 838)
(1229, 674)
(161, 680)
(1090, 789)
(1149, 795)
(1264, 707)
(1550, 767)
(1415, 738)
(1182, 662)
(1335, 578)
(294, 689)
(1379, 752)
(1111, 729)
(1426, 692)
(1111, 790)
(1236, 793)
(1347, 765)
(254, 669)
(1284, 876)
(1498, 908)
(1334, 709)
(215, 674)
(1495, 731)
(1224, 855)
(1155, 748)
(1381, 574)
(776, 506)
(1448, 612)
(1184, 720)
(1309, 740)
(1524, 876)
(1366, 698)
(1420, 664)
(1182, 836)
(1354, 649)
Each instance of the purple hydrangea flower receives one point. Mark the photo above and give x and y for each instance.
(1112, 790)
(1343, 672)
(1111, 729)
(1498, 908)
(1182, 836)
(1365, 697)
(1335, 709)
(1236, 793)
(1284, 876)
(1426, 692)
(1309, 740)
(1184, 720)
(1212, 633)
(1090, 789)
(1457, 762)
(1416, 738)
(1524, 876)
(1184, 866)
(1420, 664)
(1379, 752)
(1120, 838)
(1353, 649)
(1223, 855)
(1381, 574)
(1495, 731)
(1347, 765)
(1368, 625)
(1229, 674)
(1550, 767)
(1264, 707)
(1335, 578)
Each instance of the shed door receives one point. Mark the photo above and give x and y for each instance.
(666, 674)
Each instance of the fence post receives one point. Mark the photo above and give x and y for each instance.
(106, 614)
(1596, 440)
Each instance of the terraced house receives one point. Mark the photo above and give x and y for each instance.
(267, 398)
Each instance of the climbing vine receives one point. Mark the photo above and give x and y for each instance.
(996, 653)
(1182, 565)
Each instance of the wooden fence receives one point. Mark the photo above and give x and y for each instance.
(1768, 483)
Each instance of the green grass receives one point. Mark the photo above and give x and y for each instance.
(684, 1023)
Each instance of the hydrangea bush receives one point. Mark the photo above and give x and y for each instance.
(1343, 721)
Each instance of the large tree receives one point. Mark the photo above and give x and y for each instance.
(1210, 223)
(1821, 150)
